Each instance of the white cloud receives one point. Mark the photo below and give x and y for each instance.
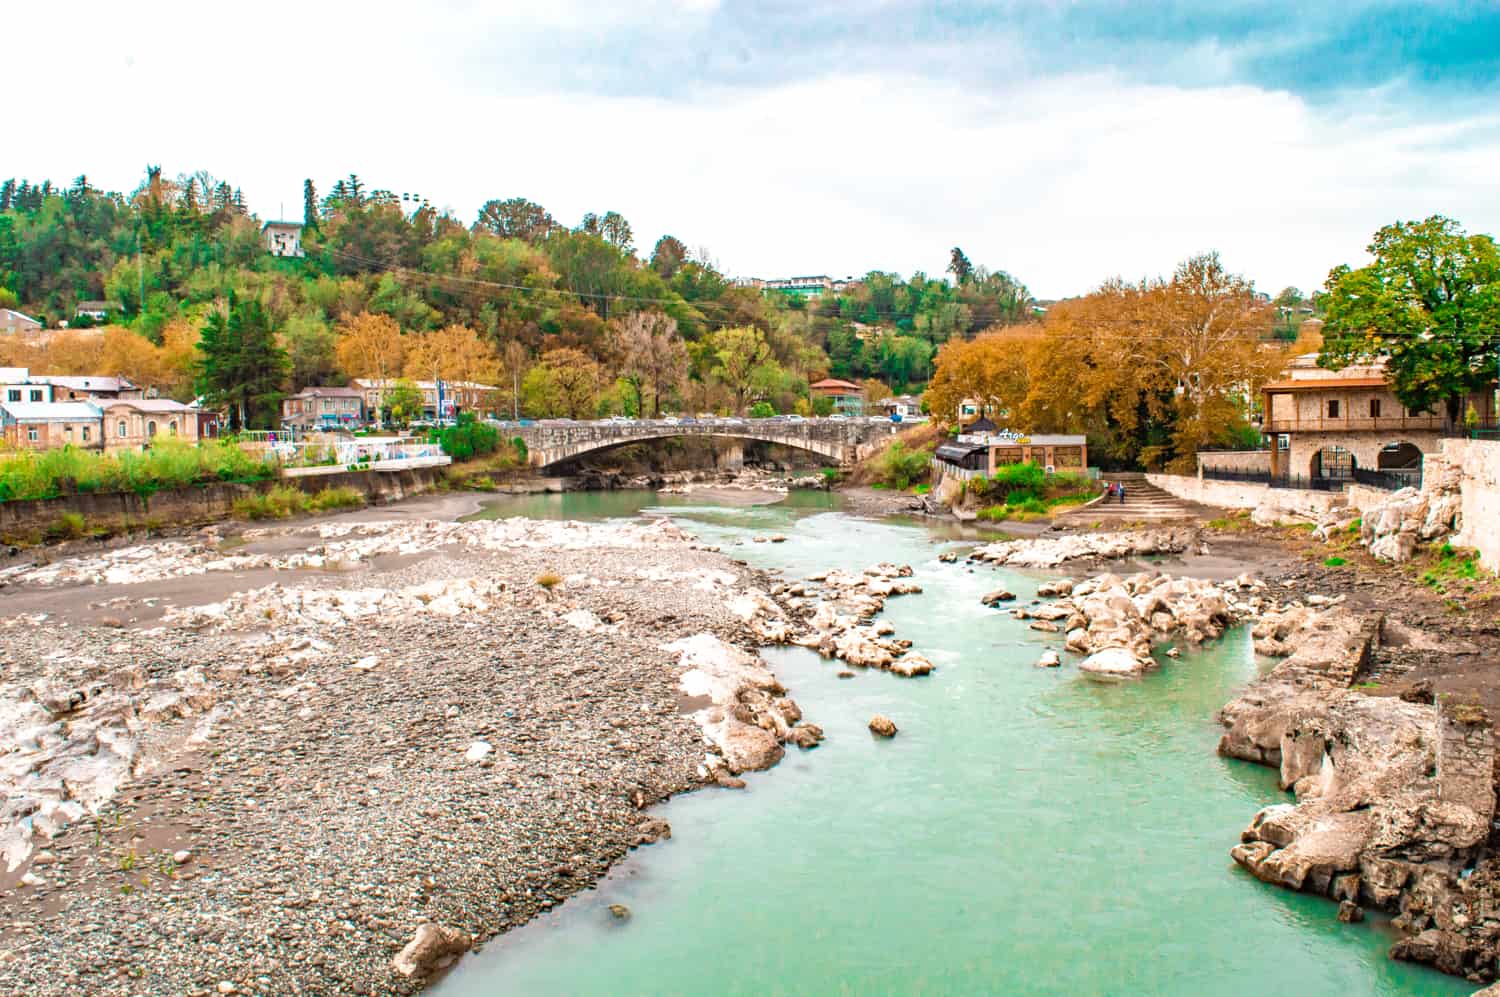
(1063, 180)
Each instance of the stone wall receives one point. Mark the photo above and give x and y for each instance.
(30, 519)
(1246, 495)
(1478, 462)
(1235, 460)
(1365, 447)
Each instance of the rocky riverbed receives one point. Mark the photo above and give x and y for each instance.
(341, 753)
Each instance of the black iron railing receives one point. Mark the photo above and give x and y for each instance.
(1391, 479)
(1275, 481)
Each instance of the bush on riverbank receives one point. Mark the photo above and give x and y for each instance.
(1027, 492)
(899, 467)
(168, 464)
(284, 500)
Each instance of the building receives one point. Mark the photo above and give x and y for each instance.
(451, 397)
(14, 323)
(315, 407)
(1057, 453)
(1330, 425)
(90, 387)
(134, 423)
(848, 398)
(50, 425)
(804, 287)
(17, 385)
(282, 238)
(908, 407)
(99, 311)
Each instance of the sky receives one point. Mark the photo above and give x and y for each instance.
(1065, 143)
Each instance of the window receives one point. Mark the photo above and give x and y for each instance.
(120, 430)
(31, 433)
(172, 427)
(1374, 408)
(85, 434)
(36, 394)
(13, 395)
(151, 428)
(1333, 408)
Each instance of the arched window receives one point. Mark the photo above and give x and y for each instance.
(120, 429)
(172, 427)
(151, 428)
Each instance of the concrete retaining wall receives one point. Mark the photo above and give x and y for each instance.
(1235, 460)
(1246, 495)
(27, 520)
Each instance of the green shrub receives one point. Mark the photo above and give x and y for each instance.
(336, 498)
(762, 410)
(168, 464)
(1334, 562)
(898, 466)
(68, 526)
(468, 439)
(278, 503)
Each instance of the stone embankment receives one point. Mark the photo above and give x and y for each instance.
(1394, 800)
(332, 755)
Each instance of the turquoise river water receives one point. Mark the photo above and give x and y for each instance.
(1027, 832)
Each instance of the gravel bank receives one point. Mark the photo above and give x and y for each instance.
(268, 787)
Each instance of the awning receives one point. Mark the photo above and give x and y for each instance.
(955, 452)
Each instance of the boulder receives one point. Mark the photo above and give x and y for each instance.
(882, 726)
(433, 947)
(805, 735)
(1049, 659)
(1114, 663)
(912, 664)
(996, 597)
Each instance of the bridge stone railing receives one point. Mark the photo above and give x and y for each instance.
(842, 441)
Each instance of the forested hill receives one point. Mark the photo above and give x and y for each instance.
(173, 250)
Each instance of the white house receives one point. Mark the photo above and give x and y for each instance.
(282, 238)
(17, 385)
(13, 322)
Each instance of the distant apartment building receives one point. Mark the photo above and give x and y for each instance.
(14, 323)
(49, 425)
(440, 400)
(282, 238)
(17, 385)
(318, 407)
(805, 287)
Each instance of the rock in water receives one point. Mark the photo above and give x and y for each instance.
(996, 597)
(805, 735)
(1049, 659)
(620, 912)
(1113, 663)
(882, 725)
(1350, 912)
(432, 947)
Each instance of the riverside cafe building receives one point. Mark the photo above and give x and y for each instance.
(982, 447)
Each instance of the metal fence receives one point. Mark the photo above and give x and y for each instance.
(1275, 481)
(1390, 479)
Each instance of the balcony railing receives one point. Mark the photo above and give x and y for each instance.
(1275, 481)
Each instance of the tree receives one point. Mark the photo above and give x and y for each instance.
(242, 366)
(309, 206)
(370, 346)
(516, 218)
(1429, 306)
(650, 353)
(668, 256)
(743, 363)
(403, 401)
(960, 267)
(452, 353)
(564, 383)
(515, 361)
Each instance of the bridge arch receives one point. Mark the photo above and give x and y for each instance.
(840, 442)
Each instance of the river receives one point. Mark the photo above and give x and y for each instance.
(1028, 831)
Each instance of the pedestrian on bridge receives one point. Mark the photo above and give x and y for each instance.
(1121, 488)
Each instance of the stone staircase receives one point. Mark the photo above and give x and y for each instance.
(1144, 503)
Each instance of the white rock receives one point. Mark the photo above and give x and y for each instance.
(1113, 663)
(365, 664)
(479, 751)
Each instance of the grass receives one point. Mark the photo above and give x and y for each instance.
(168, 464)
(1030, 493)
(282, 501)
(549, 580)
(68, 526)
(1334, 562)
(1235, 522)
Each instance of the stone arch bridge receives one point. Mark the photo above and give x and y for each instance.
(842, 441)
